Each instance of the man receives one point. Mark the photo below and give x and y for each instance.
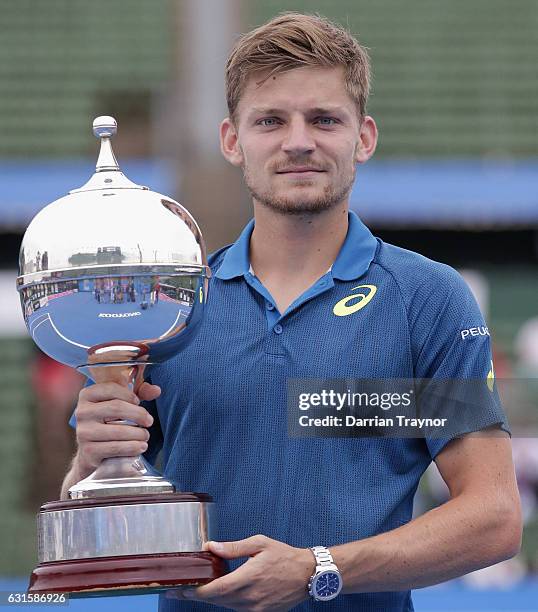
(285, 303)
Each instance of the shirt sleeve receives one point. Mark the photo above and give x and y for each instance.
(453, 360)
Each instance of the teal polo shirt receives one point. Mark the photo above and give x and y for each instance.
(221, 420)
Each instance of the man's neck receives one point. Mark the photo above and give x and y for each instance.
(289, 253)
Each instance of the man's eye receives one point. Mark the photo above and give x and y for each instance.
(268, 122)
(326, 120)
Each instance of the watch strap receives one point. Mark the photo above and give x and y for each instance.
(322, 555)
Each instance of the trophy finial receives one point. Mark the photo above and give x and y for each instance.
(107, 170)
(105, 126)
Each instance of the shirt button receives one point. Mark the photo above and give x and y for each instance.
(277, 328)
(270, 306)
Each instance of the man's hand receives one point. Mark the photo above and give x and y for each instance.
(274, 578)
(97, 436)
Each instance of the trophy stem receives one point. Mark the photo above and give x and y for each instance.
(119, 475)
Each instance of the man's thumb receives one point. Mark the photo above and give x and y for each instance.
(240, 548)
(147, 392)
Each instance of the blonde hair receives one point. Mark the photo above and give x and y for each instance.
(293, 40)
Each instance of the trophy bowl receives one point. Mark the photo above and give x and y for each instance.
(113, 278)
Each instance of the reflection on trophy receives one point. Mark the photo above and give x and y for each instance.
(113, 277)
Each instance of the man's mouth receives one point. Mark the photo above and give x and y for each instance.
(299, 170)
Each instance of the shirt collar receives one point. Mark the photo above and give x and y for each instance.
(353, 260)
(357, 252)
(236, 260)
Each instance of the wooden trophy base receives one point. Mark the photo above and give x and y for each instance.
(101, 574)
(114, 576)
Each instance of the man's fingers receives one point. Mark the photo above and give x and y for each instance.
(113, 410)
(147, 392)
(95, 432)
(103, 392)
(95, 452)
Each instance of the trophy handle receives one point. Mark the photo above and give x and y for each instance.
(119, 475)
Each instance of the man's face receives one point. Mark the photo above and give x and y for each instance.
(297, 137)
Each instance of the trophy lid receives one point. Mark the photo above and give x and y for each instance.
(108, 220)
(112, 272)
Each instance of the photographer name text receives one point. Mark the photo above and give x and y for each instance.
(352, 421)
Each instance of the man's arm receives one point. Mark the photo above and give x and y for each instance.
(480, 525)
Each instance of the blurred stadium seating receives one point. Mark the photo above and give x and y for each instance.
(65, 62)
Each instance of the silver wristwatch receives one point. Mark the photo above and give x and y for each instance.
(326, 581)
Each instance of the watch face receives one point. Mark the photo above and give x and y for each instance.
(327, 585)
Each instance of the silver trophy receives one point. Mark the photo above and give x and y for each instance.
(113, 278)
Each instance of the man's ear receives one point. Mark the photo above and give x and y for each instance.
(367, 140)
(229, 143)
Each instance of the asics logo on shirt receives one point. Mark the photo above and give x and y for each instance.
(354, 302)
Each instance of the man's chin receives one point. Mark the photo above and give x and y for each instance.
(297, 206)
(300, 199)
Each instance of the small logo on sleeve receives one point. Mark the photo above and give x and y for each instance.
(356, 301)
(472, 332)
(491, 378)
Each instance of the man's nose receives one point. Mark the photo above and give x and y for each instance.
(298, 138)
